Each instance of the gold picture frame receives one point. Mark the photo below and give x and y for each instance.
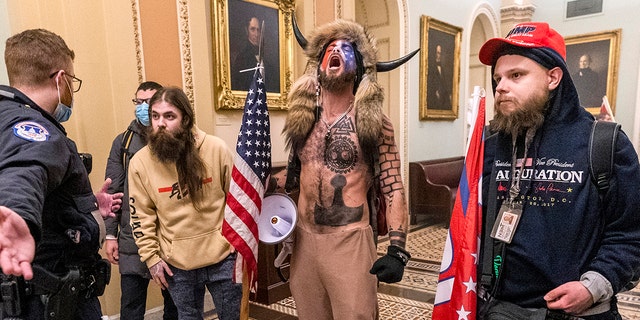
(603, 49)
(439, 86)
(228, 43)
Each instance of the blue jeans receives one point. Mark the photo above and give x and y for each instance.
(187, 290)
(133, 300)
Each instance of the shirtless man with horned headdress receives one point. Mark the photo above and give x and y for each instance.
(341, 144)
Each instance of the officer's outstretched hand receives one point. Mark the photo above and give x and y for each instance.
(390, 268)
(108, 203)
(17, 246)
(158, 272)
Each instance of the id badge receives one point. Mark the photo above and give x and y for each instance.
(505, 226)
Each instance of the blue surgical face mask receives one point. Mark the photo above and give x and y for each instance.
(62, 112)
(142, 113)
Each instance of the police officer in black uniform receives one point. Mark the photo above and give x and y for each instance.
(49, 216)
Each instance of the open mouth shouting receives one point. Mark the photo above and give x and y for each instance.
(335, 61)
(339, 57)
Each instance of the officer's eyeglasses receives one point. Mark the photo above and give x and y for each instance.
(76, 83)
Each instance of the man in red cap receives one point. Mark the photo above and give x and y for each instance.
(573, 247)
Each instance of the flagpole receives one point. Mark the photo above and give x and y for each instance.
(244, 303)
(478, 93)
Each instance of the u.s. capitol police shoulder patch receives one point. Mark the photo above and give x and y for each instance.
(31, 131)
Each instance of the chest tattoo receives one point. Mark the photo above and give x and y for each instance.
(341, 152)
(338, 214)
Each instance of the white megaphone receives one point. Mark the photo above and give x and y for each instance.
(277, 218)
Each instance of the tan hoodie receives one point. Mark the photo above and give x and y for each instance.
(165, 224)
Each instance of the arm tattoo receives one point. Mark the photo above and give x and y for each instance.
(391, 180)
(389, 162)
(397, 238)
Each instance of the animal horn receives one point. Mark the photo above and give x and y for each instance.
(299, 36)
(382, 66)
(385, 66)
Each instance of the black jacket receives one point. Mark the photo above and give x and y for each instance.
(42, 179)
(565, 230)
(117, 163)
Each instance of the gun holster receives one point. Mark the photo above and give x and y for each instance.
(11, 295)
(63, 303)
(59, 294)
(101, 277)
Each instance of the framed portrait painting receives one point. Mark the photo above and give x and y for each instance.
(439, 69)
(238, 26)
(592, 60)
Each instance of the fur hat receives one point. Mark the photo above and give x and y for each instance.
(368, 97)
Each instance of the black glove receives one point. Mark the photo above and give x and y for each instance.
(390, 268)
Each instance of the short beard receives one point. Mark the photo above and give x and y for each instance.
(168, 147)
(530, 115)
(336, 83)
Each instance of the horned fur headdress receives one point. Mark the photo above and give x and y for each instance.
(368, 96)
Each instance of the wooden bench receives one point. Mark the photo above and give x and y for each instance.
(433, 185)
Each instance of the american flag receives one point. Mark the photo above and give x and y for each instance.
(251, 168)
(456, 291)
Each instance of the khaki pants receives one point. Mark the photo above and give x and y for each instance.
(330, 276)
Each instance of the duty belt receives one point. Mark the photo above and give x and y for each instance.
(14, 289)
(59, 294)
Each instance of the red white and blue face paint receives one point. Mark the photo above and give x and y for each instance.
(339, 56)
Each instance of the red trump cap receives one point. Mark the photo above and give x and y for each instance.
(526, 35)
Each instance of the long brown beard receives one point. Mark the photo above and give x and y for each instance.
(168, 147)
(179, 148)
(336, 83)
(529, 115)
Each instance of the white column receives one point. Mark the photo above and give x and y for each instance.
(513, 12)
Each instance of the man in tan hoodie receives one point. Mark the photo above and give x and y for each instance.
(178, 184)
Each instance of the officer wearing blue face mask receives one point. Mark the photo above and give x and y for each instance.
(49, 226)
(62, 112)
(120, 248)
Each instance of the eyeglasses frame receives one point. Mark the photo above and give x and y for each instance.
(74, 79)
(137, 101)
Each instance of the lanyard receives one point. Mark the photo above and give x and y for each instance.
(494, 251)
(514, 190)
